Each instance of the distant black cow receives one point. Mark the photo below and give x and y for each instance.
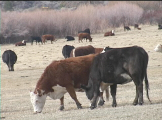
(69, 38)
(66, 50)
(136, 26)
(159, 26)
(118, 66)
(9, 57)
(85, 31)
(126, 28)
(36, 38)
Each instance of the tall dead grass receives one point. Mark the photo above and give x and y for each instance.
(66, 22)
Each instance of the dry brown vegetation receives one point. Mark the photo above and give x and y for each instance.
(32, 60)
(16, 26)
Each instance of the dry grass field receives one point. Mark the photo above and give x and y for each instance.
(33, 59)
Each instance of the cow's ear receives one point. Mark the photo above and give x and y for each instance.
(39, 92)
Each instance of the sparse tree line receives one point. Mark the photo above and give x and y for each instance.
(16, 26)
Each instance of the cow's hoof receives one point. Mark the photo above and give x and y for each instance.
(101, 103)
(92, 107)
(140, 103)
(79, 107)
(61, 107)
(134, 103)
(114, 105)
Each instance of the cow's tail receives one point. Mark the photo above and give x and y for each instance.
(146, 79)
(147, 86)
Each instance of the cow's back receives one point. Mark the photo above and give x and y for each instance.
(66, 72)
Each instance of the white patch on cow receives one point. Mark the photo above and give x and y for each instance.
(127, 77)
(23, 41)
(158, 48)
(37, 101)
(103, 50)
(58, 93)
(73, 52)
(112, 31)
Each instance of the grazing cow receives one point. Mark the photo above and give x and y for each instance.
(159, 26)
(110, 33)
(84, 35)
(83, 50)
(47, 37)
(135, 26)
(9, 57)
(36, 38)
(158, 48)
(21, 43)
(85, 31)
(118, 66)
(60, 77)
(66, 50)
(69, 38)
(126, 28)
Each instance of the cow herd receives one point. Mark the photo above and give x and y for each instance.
(84, 69)
(88, 69)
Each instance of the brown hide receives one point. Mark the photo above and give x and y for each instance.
(20, 43)
(83, 50)
(72, 71)
(98, 50)
(84, 35)
(47, 37)
(109, 34)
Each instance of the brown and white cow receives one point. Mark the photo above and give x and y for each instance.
(60, 77)
(84, 35)
(48, 37)
(21, 43)
(110, 33)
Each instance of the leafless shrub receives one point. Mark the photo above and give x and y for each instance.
(67, 22)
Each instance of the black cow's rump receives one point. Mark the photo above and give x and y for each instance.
(66, 50)
(118, 66)
(9, 57)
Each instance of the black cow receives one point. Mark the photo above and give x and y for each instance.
(36, 38)
(87, 30)
(66, 50)
(159, 26)
(126, 28)
(9, 57)
(69, 38)
(118, 66)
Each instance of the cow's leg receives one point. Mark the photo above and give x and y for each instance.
(113, 94)
(140, 92)
(101, 102)
(72, 93)
(135, 102)
(96, 96)
(62, 103)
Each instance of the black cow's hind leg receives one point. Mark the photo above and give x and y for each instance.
(113, 94)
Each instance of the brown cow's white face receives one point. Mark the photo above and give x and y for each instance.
(37, 101)
(158, 48)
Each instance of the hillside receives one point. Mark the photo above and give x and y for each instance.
(32, 5)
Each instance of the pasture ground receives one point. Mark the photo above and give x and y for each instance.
(32, 60)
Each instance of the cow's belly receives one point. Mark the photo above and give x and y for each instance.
(123, 79)
(58, 93)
